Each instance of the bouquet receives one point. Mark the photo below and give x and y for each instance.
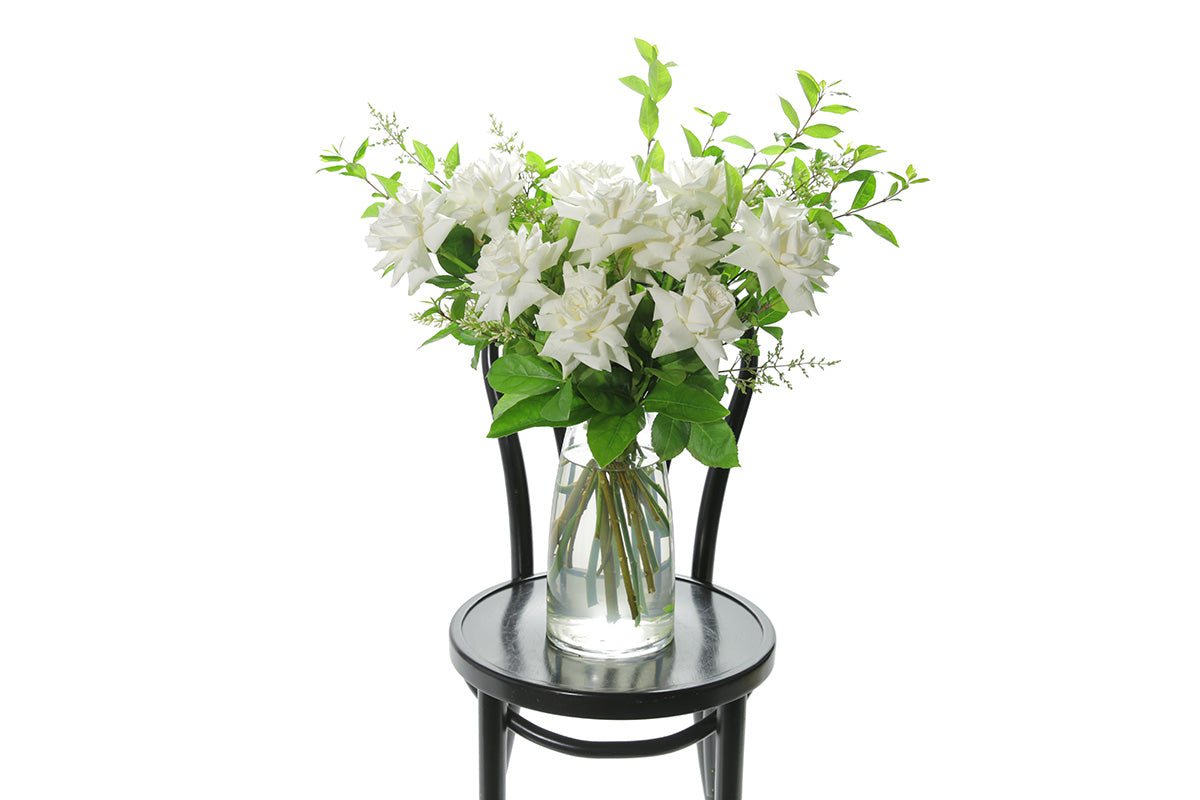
(616, 294)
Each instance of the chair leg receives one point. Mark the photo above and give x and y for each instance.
(510, 736)
(731, 739)
(493, 748)
(706, 749)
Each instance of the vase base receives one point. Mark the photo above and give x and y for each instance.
(600, 639)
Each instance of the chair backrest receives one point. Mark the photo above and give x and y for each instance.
(516, 484)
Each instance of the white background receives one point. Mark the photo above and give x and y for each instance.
(239, 506)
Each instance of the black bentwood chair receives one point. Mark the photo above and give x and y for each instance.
(724, 648)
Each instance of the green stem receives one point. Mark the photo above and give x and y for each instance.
(567, 525)
(641, 535)
(619, 546)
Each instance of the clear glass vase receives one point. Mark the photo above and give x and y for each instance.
(610, 583)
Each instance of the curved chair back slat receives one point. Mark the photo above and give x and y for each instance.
(708, 518)
(517, 486)
(520, 527)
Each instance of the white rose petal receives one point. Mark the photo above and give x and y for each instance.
(578, 178)
(509, 271)
(587, 323)
(688, 246)
(616, 213)
(784, 250)
(481, 194)
(693, 184)
(407, 229)
(703, 318)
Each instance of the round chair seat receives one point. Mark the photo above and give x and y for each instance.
(724, 647)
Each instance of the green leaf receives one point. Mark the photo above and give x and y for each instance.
(445, 281)
(442, 334)
(607, 392)
(733, 188)
(821, 131)
(637, 84)
(774, 330)
(505, 403)
(648, 51)
(693, 143)
(362, 149)
(800, 172)
(648, 118)
(820, 198)
(457, 253)
(719, 118)
(558, 408)
(739, 141)
(452, 161)
(356, 170)
(866, 193)
(836, 109)
(389, 185)
(685, 360)
(372, 211)
(660, 81)
(790, 112)
(643, 170)
(609, 435)
(671, 376)
(567, 230)
(535, 162)
(880, 229)
(685, 402)
(823, 218)
(774, 150)
(669, 436)
(773, 309)
(708, 382)
(747, 346)
(713, 445)
(526, 412)
(657, 158)
(811, 92)
(527, 375)
(425, 156)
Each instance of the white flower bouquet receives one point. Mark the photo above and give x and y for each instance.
(615, 296)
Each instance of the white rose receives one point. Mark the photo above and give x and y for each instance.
(578, 178)
(689, 246)
(784, 250)
(481, 194)
(703, 319)
(614, 214)
(693, 184)
(587, 323)
(407, 229)
(509, 272)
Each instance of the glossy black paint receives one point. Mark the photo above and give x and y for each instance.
(724, 648)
